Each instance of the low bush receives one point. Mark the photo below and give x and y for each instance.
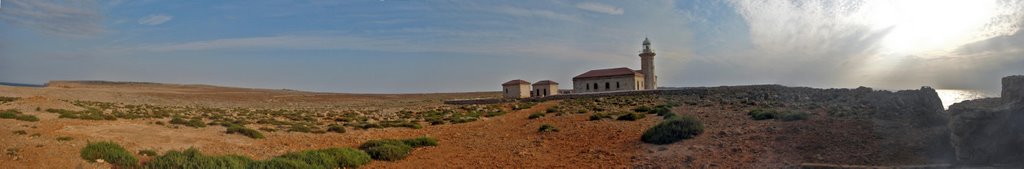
(15, 114)
(661, 111)
(148, 152)
(599, 116)
(642, 109)
(21, 132)
(300, 128)
(547, 128)
(348, 157)
(336, 128)
(420, 142)
(631, 117)
(251, 133)
(9, 114)
(278, 163)
(389, 152)
(552, 110)
(392, 149)
(673, 130)
(536, 115)
(110, 152)
(192, 158)
(763, 114)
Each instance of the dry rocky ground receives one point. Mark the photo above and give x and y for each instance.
(840, 128)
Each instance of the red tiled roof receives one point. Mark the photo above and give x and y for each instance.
(515, 82)
(545, 82)
(622, 71)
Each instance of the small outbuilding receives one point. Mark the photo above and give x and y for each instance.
(516, 89)
(544, 88)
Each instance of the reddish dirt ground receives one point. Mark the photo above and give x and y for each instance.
(731, 140)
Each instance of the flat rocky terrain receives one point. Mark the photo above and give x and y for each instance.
(843, 126)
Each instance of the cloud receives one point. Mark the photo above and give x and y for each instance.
(157, 19)
(545, 14)
(600, 8)
(72, 18)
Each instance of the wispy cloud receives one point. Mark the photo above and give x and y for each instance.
(157, 19)
(537, 13)
(73, 18)
(600, 8)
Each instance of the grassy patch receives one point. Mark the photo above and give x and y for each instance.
(88, 114)
(764, 114)
(240, 129)
(642, 109)
(599, 116)
(673, 130)
(110, 152)
(547, 128)
(631, 117)
(392, 149)
(7, 99)
(192, 158)
(15, 114)
(148, 152)
(336, 128)
(536, 115)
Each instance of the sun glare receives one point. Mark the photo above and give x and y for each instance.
(925, 26)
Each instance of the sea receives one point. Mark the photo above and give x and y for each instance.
(951, 96)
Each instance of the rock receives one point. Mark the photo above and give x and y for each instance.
(1013, 89)
(989, 131)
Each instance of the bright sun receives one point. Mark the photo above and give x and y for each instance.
(927, 26)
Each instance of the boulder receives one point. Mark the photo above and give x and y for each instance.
(990, 131)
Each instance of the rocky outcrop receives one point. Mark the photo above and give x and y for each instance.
(990, 131)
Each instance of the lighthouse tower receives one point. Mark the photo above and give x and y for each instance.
(647, 66)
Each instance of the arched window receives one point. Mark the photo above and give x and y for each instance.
(617, 85)
(545, 92)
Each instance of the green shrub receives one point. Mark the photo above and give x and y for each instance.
(547, 128)
(389, 152)
(300, 128)
(762, 114)
(336, 128)
(313, 158)
(375, 143)
(148, 152)
(9, 114)
(631, 117)
(110, 152)
(420, 142)
(495, 113)
(642, 109)
(673, 130)
(661, 111)
(536, 115)
(348, 157)
(599, 116)
(552, 110)
(279, 163)
(192, 158)
(29, 118)
(244, 131)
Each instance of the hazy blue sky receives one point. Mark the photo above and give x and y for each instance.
(386, 46)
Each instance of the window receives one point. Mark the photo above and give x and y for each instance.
(545, 92)
(588, 87)
(506, 90)
(595, 86)
(617, 85)
(607, 86)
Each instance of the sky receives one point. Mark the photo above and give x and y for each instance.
(407, 46)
